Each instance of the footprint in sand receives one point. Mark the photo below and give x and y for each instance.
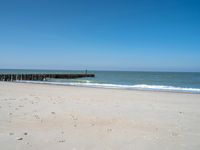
(11, 133)
(20, 139)
(36, 116)
(92, 124)
(73, 117)
(61, 141)
(25, 133)
(109, 130)
(29, 144)
(53, 113)
(174, 134)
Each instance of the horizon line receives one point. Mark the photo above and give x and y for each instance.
(115, 70)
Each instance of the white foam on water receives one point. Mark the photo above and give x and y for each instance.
(119, 86)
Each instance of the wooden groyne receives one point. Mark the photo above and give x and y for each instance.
(41, 77)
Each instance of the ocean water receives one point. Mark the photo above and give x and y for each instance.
(162, 81)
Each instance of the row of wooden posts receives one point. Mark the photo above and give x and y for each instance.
(41, 77)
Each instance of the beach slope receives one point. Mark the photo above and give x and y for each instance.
(49, 117)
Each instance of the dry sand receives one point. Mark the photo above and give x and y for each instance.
(50, 117)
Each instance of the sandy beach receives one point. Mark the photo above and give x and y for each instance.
(49, 117)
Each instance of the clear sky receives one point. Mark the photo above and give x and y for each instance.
(147, 35)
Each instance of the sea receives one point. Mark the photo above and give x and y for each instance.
(132, 80)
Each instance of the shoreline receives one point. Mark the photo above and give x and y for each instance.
(82, 86)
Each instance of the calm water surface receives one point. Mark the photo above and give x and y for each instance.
(166, 81)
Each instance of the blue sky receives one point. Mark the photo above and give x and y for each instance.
(147, 35)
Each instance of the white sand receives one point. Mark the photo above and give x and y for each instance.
(78, 118)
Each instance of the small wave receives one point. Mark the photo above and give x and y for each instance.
(77, 81)
(166, 88)
(119, 86)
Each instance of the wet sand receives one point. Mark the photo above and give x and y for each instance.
(49, 117)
